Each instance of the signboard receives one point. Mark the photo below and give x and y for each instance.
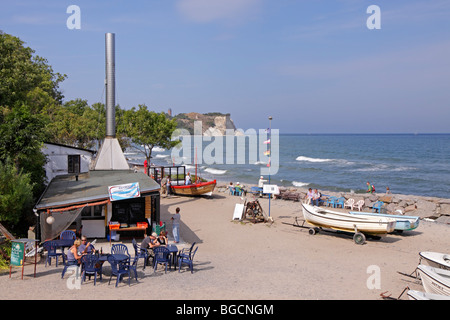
(271, 188)
(17, 250)
(238, 211)
(124, 191)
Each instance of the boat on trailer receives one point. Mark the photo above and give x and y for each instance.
(420, 295)
(359, 225)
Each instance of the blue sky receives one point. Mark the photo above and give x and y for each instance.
(314, 66)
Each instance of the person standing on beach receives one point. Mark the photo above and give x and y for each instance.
(176, 225)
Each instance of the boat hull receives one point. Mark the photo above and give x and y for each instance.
(436, 259)
(419, 295)
(402, 223)
(347, 222)
(435, 280)
(197, 189)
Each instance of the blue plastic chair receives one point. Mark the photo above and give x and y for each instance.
(140, 253)
(377, 206)
(51, 248)
(238, 191)
(119, 268)
(67, 264)
(331, 201)
(187, 259)
(162, 255)
(89, 266)
(232, 190)
(119, 249)
(339, 202)
(68, 234)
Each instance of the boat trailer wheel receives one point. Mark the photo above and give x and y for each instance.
(313, 231)
(359, 238)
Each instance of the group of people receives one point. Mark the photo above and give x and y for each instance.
(79, 248)
(313, 197)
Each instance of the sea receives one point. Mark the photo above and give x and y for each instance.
(410, 164)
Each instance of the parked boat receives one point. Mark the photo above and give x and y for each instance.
(196, 189)
(434, 280)
(419, 295)
(436, 259)
(343, 221)
(402, 223)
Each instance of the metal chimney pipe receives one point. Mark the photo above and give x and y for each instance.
(110, 82)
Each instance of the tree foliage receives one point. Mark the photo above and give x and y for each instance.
(148, 129)
(15, 192)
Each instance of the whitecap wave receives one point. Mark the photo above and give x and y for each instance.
(215, 171)
(260, 163)
(161, 156)
(302, 158)
(299, 184)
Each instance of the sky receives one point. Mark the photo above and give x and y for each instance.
(314, 66)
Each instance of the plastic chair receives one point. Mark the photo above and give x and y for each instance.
(238, 191)
(331, 201)
(162, 255)
(118, 269)
(187, 259)
(67, 264)
(349, 203)
(377, 206)
(51, 248)
(359, 204)
(339, 202)
(68, 234)
(140, 253)
(89, 265)
(119, 249)
(231, 190)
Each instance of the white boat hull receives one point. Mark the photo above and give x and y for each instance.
(436, 259)
(419, 295)
(435, 280)
(347, 222)
(402, 223)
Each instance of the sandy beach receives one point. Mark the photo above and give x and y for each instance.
(238, 260)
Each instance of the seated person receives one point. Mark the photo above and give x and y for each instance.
(150, 242)
(85, 247)
(315, 198)
(162, 238)
(72, 255)
(188, 179)
(309, 196)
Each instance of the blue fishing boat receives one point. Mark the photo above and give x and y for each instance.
(403, 223)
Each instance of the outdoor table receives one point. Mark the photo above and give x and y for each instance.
(173, 250)
(61, 243)
(117, 256)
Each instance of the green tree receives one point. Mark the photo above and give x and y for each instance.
(148, 129)
(16, 192)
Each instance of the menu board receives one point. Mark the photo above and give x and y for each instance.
(17, 251)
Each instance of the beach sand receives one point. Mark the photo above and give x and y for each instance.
(238, 260)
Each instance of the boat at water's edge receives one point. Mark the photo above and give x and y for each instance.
(195, 189)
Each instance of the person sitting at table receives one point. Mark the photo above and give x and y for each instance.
(162, 238)
(85, 247)
(72, 255)
(150, 242)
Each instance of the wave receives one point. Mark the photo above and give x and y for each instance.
(260, 163)
(384, 167)
(215, 171)
(302, 158)
(161, 156)
(299, 184)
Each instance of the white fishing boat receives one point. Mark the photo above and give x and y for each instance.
(419, 295)
(436, 259)
(434, 280)
(343, 221)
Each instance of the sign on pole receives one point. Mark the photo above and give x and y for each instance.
(271, 188)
